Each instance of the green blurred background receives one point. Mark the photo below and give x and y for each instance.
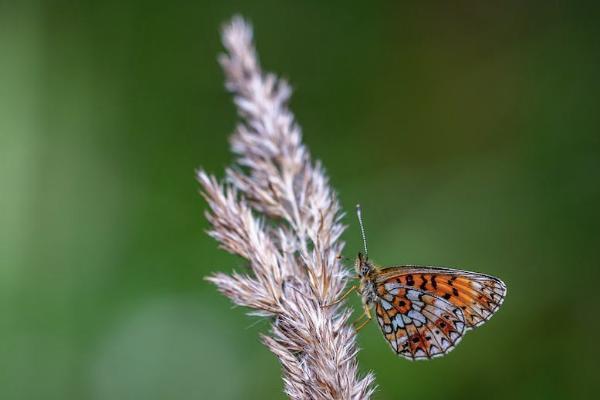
(469, 133)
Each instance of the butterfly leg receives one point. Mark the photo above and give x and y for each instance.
(367, 314)
(342, 297)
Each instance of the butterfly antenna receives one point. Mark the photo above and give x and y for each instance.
(362, 229)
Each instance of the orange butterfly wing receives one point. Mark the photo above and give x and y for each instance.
(424, 311)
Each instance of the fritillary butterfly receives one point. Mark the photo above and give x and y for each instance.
(424, 312)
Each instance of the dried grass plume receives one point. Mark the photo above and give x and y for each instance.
(277, 210)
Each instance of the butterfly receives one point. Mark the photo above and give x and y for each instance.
(424, 312)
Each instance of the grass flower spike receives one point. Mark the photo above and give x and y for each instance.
(277, 210)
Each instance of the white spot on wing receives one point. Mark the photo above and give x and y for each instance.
(397, 321)
(445, 343)
(418, 304)
(386, 305)
(435, 310)
(420, 353)
(412, 295)
(415, 315)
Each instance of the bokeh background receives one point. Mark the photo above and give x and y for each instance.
(469, 133)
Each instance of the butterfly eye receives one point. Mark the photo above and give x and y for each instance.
(364, 270)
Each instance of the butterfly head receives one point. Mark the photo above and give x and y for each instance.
(363, 266)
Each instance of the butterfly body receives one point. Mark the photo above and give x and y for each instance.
(424, 312)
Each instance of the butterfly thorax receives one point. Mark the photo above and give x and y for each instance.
(367, 273)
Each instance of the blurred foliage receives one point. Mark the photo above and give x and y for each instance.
(468, 131)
